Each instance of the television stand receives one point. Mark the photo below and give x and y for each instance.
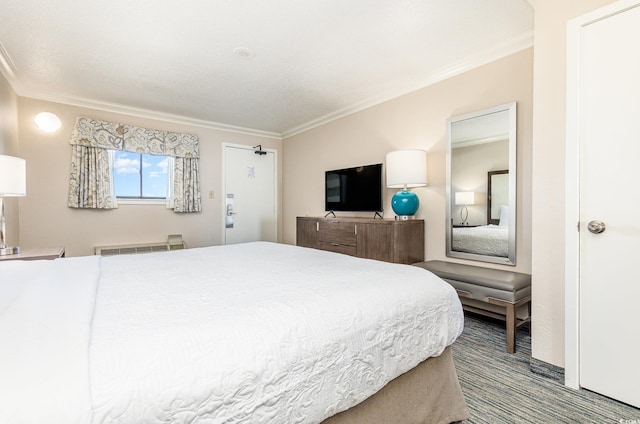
(330, 213)
(382, 239)
(377, 214)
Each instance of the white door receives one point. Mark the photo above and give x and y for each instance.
(609, 153)
(250, 195)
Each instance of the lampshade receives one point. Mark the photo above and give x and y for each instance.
(406, 168)
(13, 176)
(465, 198)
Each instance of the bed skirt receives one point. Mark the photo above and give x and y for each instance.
(429, 393)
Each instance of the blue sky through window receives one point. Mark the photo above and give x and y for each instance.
(126, 175)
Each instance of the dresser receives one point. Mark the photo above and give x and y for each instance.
(382, 239)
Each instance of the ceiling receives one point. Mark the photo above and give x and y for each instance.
(308, 62)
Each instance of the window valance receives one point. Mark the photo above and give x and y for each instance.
(101, 134)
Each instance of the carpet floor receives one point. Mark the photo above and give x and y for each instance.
(500, 388)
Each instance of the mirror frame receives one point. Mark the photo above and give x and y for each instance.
(511, 258)
(490, 193)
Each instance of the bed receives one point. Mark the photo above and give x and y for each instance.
(250, 333)
(492, 240)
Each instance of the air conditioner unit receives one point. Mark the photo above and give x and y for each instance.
(174, 242)
(128, 249)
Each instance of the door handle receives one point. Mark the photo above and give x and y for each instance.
(229, 211)
(596, 227)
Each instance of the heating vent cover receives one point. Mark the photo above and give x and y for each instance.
(128, 249)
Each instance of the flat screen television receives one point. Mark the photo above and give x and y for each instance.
(356, 189)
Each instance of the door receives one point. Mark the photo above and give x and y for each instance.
(250, 195)
(608, 110)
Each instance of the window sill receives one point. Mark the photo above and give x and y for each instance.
(162, 202)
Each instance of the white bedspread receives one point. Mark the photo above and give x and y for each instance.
(490, 240)
(258, 332)
(45, 318)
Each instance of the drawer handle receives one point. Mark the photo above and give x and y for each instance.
(335, 244)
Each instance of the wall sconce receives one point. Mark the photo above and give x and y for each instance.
(48, 122)
(406, 169)
(464, 198)
(13, 183)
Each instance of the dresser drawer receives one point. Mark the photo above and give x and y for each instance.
(337, 232)
(338, 248)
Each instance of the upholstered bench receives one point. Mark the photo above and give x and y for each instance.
(506, 289)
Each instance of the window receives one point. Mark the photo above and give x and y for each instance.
(139, 175)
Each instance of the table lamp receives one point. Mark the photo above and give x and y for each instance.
(13, 182)
(406, 169)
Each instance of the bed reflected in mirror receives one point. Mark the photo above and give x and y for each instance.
(481, 170)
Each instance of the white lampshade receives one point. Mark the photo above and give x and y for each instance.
(406, 168)
(465, 198)
(13, 176)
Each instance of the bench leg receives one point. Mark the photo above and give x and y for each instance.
(512, 319)
(511, 328)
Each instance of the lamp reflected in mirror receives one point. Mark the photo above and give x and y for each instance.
(464, 198)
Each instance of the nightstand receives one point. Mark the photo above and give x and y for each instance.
(35, 253)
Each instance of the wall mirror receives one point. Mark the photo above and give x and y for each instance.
(481, 185)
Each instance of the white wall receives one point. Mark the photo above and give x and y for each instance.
(415, 120)
(45, 219)
(548, 160)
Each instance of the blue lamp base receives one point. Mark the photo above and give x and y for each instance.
(405, 203)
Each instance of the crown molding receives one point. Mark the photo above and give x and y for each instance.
(150, 114)
(7, 67)
(497, 52)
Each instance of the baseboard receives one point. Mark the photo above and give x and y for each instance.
(547, 370)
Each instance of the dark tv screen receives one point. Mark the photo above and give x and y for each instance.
(356, 189)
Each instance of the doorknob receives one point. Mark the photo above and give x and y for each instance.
(596, 227)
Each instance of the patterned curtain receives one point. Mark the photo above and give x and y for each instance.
(187, 183)
(90, 183)
(88, 188)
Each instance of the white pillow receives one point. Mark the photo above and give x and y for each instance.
(504, 216)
